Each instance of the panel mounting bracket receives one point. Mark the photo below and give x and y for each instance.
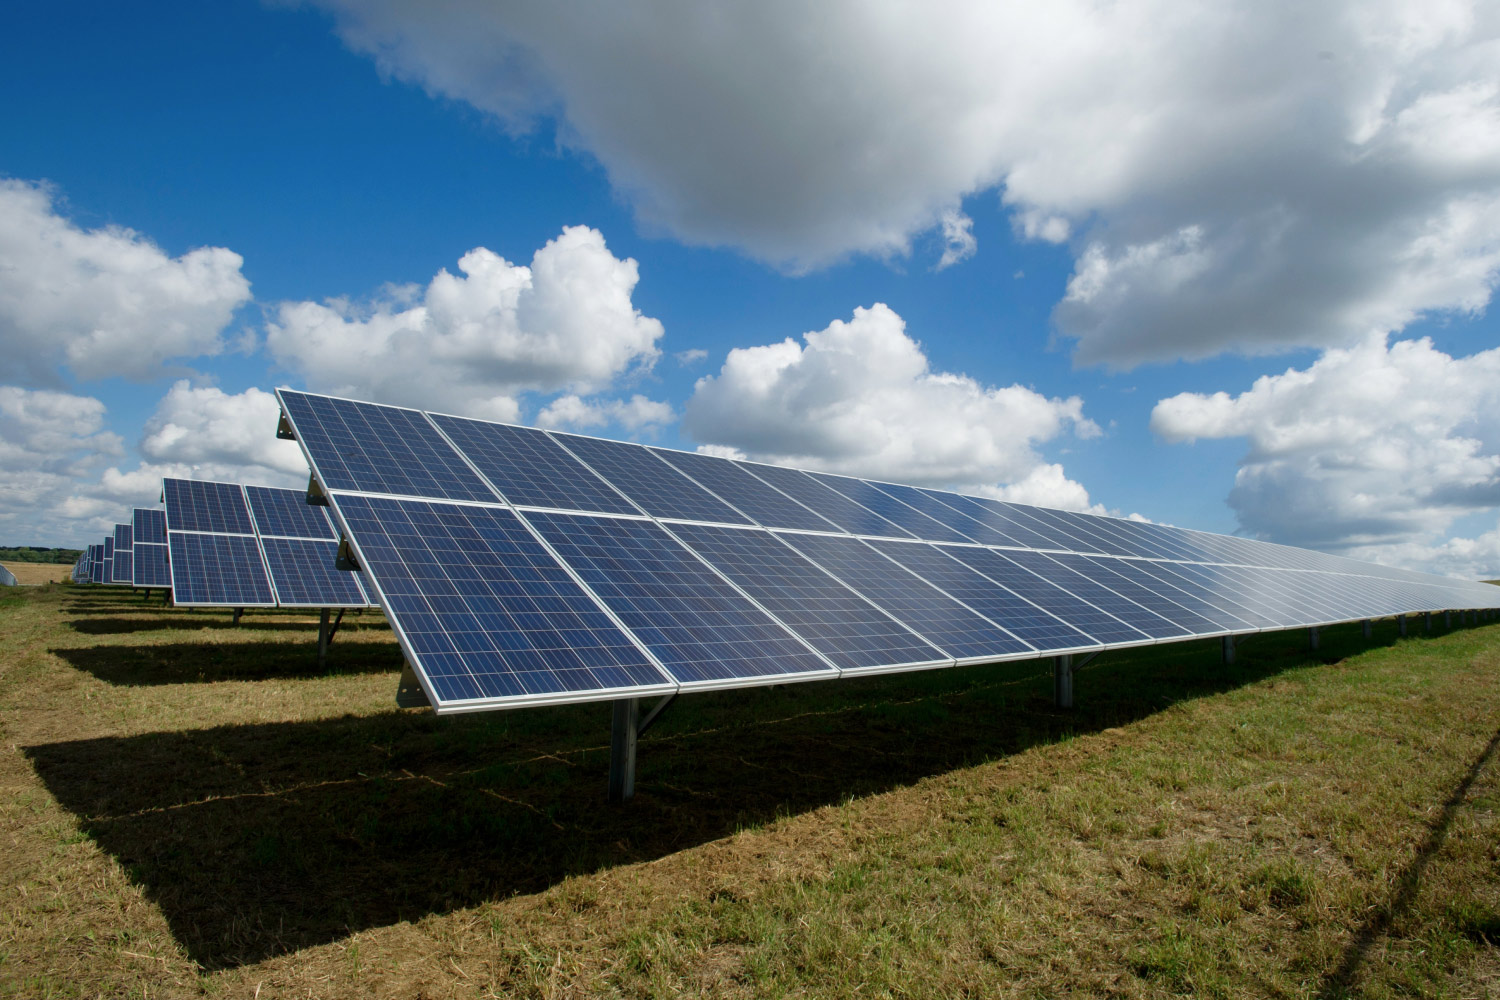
(315, 494)
(345, 557)
(284, 429)
(409, 693)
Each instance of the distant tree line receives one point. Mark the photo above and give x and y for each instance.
(37, 554)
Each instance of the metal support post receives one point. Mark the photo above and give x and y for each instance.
(1062, 681)
(322, 638)
(1447, 620)
(1366, 627)
(1228, 649)
(237, 613)
(622, 749)
(1401, 625)
(1312, 637)
(1427, 621)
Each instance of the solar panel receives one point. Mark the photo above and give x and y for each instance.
(913, 521)
(286, 513)
(213, 554)
(763, 503)
(218, 570)
(754, 574)
(381, 449)
(830, 504)
(484, 612)
(96, 564)
(845, 627)
(655, 486)
(108, 574)
(958, 630)
(123, 554)
(150, 568)
(702, 630)
(150, 526)
(303, 574)
(529, 468)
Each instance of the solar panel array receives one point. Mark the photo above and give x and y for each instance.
(124, 554)
(521, 566)
(252, 546)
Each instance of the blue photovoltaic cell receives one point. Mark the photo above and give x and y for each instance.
(223, 570)
(655, 486)
(485, 612)
(1094, 527)
(1198, 590)
(1099, 595)
(831, 504)
(380, 449)
(752, 496)
(123, 549)
(109, 548)
(893, 510)
(1027, 533)
(935, 509)
(200, 506)
(1272, 613)
(529, 468)
(149, 568)
(1068, 538)
(150, 526)
(303, 574)
(1097, 625)
(699, 627)
(286, 513)
(1025, 620)
(940, 619)
(1125, 576)
(840, 624)
(96, 571)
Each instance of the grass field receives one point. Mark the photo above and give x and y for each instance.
(193, 809)
(31, 574)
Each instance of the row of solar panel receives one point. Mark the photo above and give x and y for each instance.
(387, 450)
(252, 546)
(497, 605)
(613, 569)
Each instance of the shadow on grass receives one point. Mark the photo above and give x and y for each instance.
(122, 626)
(190, 662)
(255, 840)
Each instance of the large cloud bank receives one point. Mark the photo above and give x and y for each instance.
(858, 397)
(476, 341)
(1374, 450)
(104, 301)
(1247, 177)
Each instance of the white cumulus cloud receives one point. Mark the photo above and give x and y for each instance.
(475, 341)
(634, 414)
(47, 441)
(1250, 177)
(858, 397)
(1373, 450)
(103, 301)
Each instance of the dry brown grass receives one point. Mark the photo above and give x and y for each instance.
(188, 809)
(32, 574)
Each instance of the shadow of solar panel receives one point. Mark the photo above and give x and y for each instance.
(852, 632)
(702, 630)
(484, 613)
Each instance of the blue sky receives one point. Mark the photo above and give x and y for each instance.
(1160, 207)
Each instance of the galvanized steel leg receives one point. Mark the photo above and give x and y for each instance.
(322, 638)
(1366, 627)
(1401, 625)
(1062, 681)
(237, 613)
(1427, 621)
(1228, 649)
(1312, 637)
(622, 749)
(1447, 619)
